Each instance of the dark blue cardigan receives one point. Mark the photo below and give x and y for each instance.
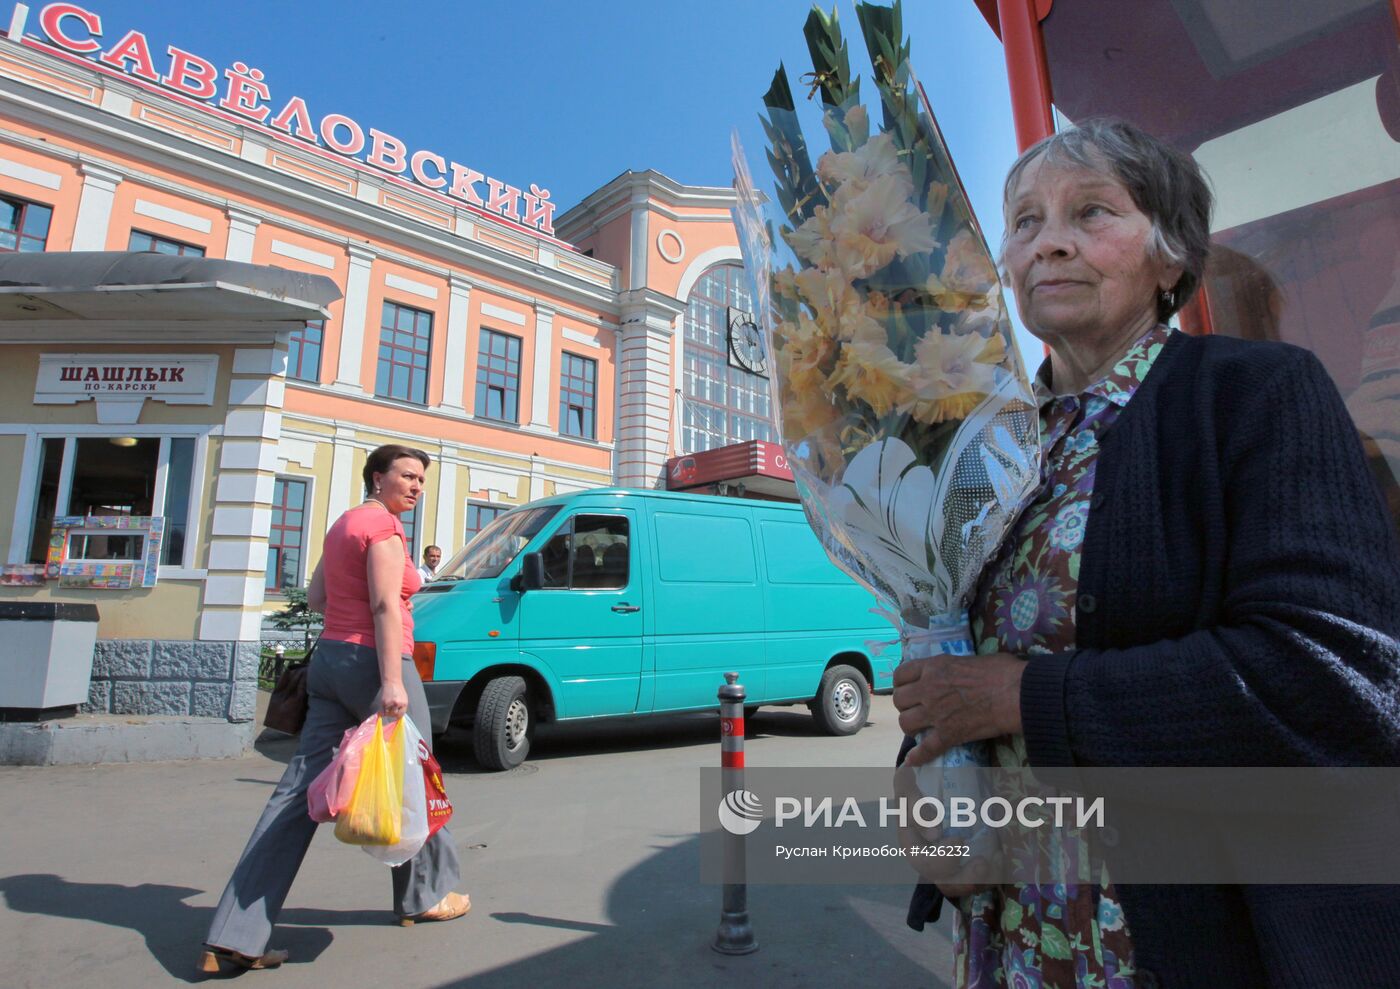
(1239, 605)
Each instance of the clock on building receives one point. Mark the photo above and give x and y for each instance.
(746, 348)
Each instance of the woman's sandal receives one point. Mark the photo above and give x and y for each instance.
(216, 960)
(450, 907)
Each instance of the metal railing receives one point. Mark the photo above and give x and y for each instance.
(279, 651)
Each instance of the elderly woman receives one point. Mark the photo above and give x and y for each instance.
(1205, 577)
(363, 664)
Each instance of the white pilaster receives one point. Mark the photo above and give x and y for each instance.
(345, 482)
(242, 232)
(637, 268)
(445, 532)
(232, 597)
(353, 327)
(455, 360)
(541, 393)
(95, 207)
(644, 388)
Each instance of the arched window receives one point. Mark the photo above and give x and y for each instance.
(723, 403)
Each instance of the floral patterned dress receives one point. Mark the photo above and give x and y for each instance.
(1061, 935)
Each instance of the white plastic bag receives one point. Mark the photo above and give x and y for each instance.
(414, 830)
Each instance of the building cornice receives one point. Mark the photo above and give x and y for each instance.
(660, 193)
(80, 121)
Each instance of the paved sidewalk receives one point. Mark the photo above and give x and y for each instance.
(582, 866)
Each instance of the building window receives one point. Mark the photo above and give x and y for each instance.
(142, 241)
(410, 522)
(287, 536)
(723, 404)
(24, 226)
(304, 351)
(115, 475)
(480, 516)
(405, 340)
(498, 377)
(578, 388)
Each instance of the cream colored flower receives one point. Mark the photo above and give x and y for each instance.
(870, 372)
(812, 241)
(785, 283)
(876, 225)
(808, 411)
(854, 170)
(805, 346)
(953, 373)
(830, 295)
(968, 279)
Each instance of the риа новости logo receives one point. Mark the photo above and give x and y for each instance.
(740, 812)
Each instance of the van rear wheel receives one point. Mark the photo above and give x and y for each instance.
(505, 723)
(843, 701)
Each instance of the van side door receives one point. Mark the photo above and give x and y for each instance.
(815, 611)
(585, 623)
(709, 606)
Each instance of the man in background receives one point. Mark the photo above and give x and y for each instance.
(432, 556)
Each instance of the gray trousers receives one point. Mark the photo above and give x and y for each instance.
(343, 684)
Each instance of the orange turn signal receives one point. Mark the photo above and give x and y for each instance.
(425, 659)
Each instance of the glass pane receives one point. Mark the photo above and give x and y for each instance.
(178, 481)
(45, 504)
(114, 476)
(36, 221)
(1293, 111)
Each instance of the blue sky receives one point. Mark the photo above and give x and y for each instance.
(568, 95)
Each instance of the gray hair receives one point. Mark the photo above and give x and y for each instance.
(1166, 184)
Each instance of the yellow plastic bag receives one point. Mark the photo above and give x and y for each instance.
(374, 815)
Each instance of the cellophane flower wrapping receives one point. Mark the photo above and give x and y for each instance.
(902, 403)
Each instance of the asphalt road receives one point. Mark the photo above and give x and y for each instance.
(582, 865)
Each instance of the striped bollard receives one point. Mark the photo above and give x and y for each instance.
(735, 934)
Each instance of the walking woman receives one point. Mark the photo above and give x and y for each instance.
(362, 665)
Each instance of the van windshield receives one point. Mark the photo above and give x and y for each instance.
(497, 544)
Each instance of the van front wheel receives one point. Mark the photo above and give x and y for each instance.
(505, 723)
(843, 701)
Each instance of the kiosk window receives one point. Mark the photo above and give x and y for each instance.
(114, 475)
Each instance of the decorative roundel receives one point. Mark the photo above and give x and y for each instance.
(664, 239)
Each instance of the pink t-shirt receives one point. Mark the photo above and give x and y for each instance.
(345, 569)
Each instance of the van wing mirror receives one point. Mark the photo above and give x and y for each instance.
(531, 576)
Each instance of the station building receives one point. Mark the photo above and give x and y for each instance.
(175, 449)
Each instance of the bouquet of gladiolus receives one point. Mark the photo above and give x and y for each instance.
(903, 407)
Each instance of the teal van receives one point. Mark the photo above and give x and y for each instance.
(622, 602)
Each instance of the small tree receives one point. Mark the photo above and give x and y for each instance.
(297, 615)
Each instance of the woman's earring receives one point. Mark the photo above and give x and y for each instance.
(377, 489)
(1166, 297)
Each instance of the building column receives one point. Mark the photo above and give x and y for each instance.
(232, 600)
(95, 206)
(637, 258)
(445, 531)
(644, 388)
(353, 326)
(346, 481)
(540, 392)
(455, 359)
(242, 232)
